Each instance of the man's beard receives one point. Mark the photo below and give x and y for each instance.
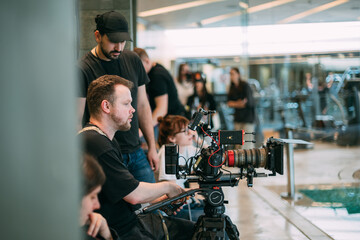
(121, 126)
(125, 127)
(108, 54)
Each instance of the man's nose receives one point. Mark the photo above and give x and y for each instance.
(119, 46)
(132, 109)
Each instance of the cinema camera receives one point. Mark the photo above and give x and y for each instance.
(206, 168)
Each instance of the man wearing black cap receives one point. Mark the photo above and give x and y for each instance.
(109, 57)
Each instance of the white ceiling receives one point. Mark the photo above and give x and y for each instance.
(261, 12)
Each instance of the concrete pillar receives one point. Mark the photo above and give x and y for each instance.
(39, 166)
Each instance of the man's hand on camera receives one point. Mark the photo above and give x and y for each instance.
(174, 207)
(174, 190)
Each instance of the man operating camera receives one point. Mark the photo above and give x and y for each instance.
(109, 101)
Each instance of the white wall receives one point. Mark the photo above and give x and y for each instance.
(278, 39)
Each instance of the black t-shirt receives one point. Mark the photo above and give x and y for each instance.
(207, 102)
(85, 236)
(119, 181)
(247, 114)
(128, 66)
(162, 83)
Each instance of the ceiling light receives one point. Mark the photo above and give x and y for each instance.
(254, 9)
(220, 18)
(312, 11)
(243, 5)
(176, 7)
(268, 5)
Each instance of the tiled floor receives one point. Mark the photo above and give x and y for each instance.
(260, 212)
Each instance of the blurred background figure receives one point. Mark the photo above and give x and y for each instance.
(240, 98)
(163, 96)
(320, 96)
(201, 98)
(308, 81)
(273, 98)
(184, 83)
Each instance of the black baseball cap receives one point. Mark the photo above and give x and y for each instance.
(114, 25)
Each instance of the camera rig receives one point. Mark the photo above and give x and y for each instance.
(206, 168)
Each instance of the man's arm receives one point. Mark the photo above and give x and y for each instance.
(240, 103)
(249, 97)
(161, 103)
(148, 192)
(81, 107)
(145, 124)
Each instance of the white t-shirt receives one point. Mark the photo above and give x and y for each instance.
(188, 152)
(184, 90)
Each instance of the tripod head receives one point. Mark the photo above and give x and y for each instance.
(214, 224)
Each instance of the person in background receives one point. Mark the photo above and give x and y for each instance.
(308, 81)
(323, 90)
(184, 83)
(109, 57)
(161, 90)
(94, 224)
(240, 98)
(201, 97)
(109, 100)
(173, 129)
(323, 95)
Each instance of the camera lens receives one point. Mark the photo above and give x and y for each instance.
(241, 158)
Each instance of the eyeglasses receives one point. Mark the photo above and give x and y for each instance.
(186, 131)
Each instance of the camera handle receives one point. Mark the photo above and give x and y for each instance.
(166, 202)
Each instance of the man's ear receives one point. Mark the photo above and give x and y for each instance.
(105, 106)
(97, 36)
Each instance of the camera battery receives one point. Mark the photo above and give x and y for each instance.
(171, 158)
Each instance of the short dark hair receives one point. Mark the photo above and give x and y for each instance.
(93, 175)
(141, 52)
(103, 89)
